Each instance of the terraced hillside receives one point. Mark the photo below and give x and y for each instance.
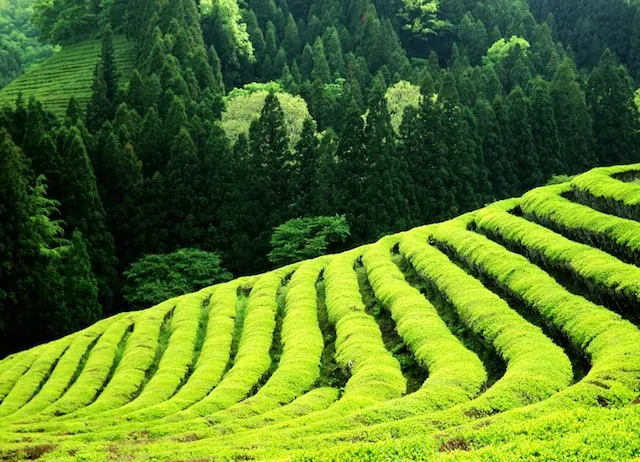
(509, 333)
(68, 73)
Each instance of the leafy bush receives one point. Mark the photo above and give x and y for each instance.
(304, 238)
(156, 278)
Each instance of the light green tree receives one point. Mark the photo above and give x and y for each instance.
(303, 238)
(400, 96)
(228, 14)
(421, 17)
(244, 106)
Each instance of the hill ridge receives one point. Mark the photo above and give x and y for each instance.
(548, 282)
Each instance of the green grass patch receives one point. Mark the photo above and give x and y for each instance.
(68, 73)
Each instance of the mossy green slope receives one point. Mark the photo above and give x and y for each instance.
(68, 73)
(544, 289)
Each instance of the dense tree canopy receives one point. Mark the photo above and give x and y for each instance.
(324, 120)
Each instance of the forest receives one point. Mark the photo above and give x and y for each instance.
(332, 122)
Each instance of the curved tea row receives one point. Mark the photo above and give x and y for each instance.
(521, 318)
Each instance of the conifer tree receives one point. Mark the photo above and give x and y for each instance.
(505, 156)
(615, 116)
(73, 113)
(305, 162)
(82, 210)
(218, 164)
(150, 146)
(109, 67)
(573, 119)
(217, 85)
(385, 175)
(427, 157)
(351, 167)
(136, 93)
(526, 158)
(291, 41)
(320, 67)
(29, 241)
(183, 188)
(333, 49)
(72, 291)
(153, 233)
(306, 62)
(545, 130)
(270, 161)
(176, 118)
(99, 109)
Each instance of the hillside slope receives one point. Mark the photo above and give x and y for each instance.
(508, 333)
(68, 73)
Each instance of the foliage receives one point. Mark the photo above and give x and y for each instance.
(304, 238)
(228, 15)
(159, 277)
(420, 17)
(226, 366)
(20, 47)
(502, 48)
(244, 107)
(400, 96)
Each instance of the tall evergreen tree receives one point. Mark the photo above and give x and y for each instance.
(545, 130)
(100, 108)
(573, 119)
(305, 162)
(526, 158)
(615, 116)
(385, 175)
(109, 67)
(83, 211)
(183, 191)
(270, 165)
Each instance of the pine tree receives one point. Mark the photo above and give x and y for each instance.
(29, 240)
(426, 155)
(306, 62)
(176, 118)
(14, 216)
(74, 290)
(150, 145)
(545, 130)
(333, 49)
(386, 208)
(100, 108)
(526, 158)
(38, 146)
(73, 115)
(351, 168)
(305, 162)
(270, 161)
(121, 187)
(218, 164)
(82, 210)
(573, 119)
(218, 82)
(615, 116)
(136, 93)
(320, 67)
(291, 41)
(109, 67)
(184, 194)
(153, 232)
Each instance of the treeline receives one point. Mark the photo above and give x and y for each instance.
(404, 127)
